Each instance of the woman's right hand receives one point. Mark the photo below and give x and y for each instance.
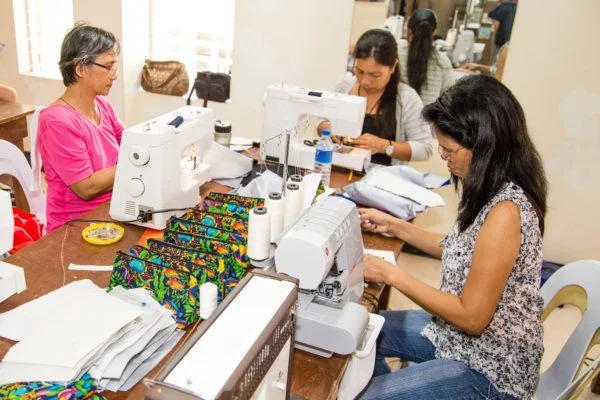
(373, 220)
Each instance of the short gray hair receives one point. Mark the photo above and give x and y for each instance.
(83, 43)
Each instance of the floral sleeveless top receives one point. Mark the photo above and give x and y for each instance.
(509, 351)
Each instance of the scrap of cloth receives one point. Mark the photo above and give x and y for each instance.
(84, 388)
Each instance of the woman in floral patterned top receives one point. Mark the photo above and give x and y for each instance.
(480, 335)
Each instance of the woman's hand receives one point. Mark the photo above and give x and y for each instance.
(470, 67)
(377, 269)
(371, 142)
(373, 220)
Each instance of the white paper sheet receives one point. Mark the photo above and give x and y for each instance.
(77, 267)
(393, 184)
(73, 334)
(384, 254)
(311, 185)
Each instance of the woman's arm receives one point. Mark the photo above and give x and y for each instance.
(376, 221)
(416, 130)
(496, 250)
(99, 182)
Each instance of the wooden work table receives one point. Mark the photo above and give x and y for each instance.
(46, 268)
(13, 128)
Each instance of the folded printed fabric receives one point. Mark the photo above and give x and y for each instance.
(176, 290)
(225, 262)
(219, 221)
(212, 271)
(213, 246)
(84, 388)
(188, 226)
(249, 202)
(223, 208)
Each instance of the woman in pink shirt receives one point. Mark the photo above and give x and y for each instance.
(79, 134)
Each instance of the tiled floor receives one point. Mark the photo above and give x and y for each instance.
(557, 326)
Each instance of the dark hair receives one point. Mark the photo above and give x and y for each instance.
(482, 115)
(504, 13)
(381, 45)
(82, 44)
(422, 24)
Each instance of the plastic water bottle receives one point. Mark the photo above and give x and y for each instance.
(324, 156)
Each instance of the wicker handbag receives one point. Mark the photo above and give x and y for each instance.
(165, 77)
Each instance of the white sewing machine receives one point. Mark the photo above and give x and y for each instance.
(462, 52)
(160, 166)
(243, 351)
(324, 250)
(395, 24)
(12, 277)
(290, 107)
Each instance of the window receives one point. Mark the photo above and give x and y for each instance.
(40, 28)
(198, 33)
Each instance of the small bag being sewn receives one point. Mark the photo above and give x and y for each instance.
(165, 77)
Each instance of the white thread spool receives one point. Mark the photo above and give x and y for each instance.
(259, 233)
(208, 299)
(275, 204)
(299, 180)
(293, 204)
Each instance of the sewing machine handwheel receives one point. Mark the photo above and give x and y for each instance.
(139, 155)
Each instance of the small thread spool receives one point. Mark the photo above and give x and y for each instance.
(259, 233)
(293, 204)
(275, 204)
(208, 299)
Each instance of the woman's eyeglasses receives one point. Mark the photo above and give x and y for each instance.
(112, 69)
(447, 154)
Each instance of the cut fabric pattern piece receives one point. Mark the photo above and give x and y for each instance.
(218, 221)
(249, 202)
(187, 226)
(213, 246)
(84, 388)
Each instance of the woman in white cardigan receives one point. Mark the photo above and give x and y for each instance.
(393, 128)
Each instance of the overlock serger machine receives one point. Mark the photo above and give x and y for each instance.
(160, 166)
(289, 107)
(324, 251)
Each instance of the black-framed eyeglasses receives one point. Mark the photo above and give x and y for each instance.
(111, 69)
(447, 154)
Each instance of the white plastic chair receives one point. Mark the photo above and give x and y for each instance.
(577, 283)
(14, 163)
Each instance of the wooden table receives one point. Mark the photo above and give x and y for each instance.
(46, 261)
(13, 128)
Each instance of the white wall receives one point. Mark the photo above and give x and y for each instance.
(552, 68)
(302, 42)
(367, 15)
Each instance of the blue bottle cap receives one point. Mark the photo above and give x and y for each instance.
(325, 132)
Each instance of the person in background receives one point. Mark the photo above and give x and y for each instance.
(427, 70)
(502, 17)
(7, 93)
(393, 129)
(480, 334)
(79, 133)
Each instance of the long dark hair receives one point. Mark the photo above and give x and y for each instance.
(422, 24)
(482, 115)
(504, 13)
(381, 45)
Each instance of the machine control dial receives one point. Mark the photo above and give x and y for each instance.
(139, 155)
(136, 187)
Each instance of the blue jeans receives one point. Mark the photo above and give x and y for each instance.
(429, 378)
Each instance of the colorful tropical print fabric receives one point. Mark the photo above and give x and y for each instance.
(84, 388)
(218, 221)
(249, 202)
(206, 244)
(209, 245)
(189, 226)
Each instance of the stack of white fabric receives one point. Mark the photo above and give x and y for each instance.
(79, 328)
